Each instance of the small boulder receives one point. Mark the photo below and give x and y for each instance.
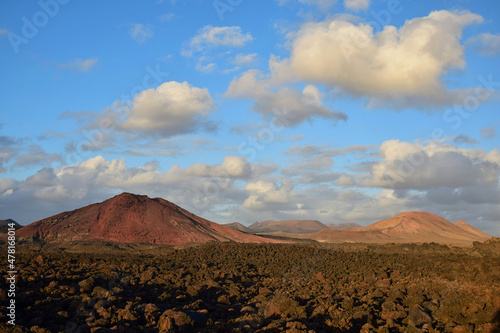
(418, 316)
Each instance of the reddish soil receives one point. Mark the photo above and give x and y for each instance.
(467, 227)
(134, 218)
(412, 227)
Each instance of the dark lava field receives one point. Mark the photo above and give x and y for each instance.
(230, 287)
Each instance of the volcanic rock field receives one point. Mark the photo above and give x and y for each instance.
(231, 287)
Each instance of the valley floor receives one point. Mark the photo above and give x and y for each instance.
(260, 288)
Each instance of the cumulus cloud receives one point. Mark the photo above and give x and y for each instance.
(172, 108)
(289, 106)
(406, 165)
(235, 189)
(357, 4)
(267, 195)
(487, 44)
(394, 67)
(141, 33)
(489, 132)
(346, 180)
(81, 65)
(196, 187)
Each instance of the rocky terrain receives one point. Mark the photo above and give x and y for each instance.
(129, 218)
(232, 287)
(135, 264)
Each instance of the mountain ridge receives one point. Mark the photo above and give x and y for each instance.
(409, 227)
(289, 226)
(133, 218)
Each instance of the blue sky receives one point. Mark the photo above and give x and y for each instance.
(341, 111)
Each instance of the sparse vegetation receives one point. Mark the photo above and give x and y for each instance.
(233, 287)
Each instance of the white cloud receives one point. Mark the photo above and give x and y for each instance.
(140, 33)
(395, 67)
(346, 180)
(208, 68)
(208, 39)
(245, 59)
(196, 187)
(408, 165)
(357, 4)
(172, 108)
(3, 32)
(82, 65)
(288, 105)
(265, 195)
(210, 36)
(235, 189)
(487, 44)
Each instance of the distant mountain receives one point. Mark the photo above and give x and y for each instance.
(5, 223)
(467, 227)
(240, 227)
(338, 226)
(134, 218)
(288, 226)
(4, 227)
(409, 227)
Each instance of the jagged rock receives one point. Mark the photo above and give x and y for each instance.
(247, 308)
(126, 314)
(284, 306)
(101, 293)
(417, 316)
(87, 284)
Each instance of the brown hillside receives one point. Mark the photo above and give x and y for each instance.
(240, 227)
(134, 218)
(467, 227)
(409, 227)
(288, 226)
(338, 226)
